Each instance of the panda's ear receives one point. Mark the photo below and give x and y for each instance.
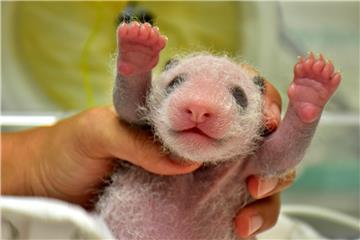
(259, 83)
(170, 64)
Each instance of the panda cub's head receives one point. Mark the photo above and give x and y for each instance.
(206, 108)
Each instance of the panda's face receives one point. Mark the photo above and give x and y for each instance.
(206, 109)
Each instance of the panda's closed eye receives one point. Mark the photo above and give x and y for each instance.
(240, 96)
(177, 80)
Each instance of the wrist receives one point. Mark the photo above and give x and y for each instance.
(22, 154)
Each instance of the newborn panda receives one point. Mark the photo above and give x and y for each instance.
(206, 109)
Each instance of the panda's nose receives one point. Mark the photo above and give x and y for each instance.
(198, 113)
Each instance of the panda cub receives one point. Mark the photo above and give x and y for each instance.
(211, 110)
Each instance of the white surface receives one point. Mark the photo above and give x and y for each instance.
(42, 218)
(27, 120)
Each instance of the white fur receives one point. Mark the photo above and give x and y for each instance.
(241, 136)
(200, 205)
(140, 205)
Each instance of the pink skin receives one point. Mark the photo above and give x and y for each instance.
(194, 113)
(314, 83)
(139, 49)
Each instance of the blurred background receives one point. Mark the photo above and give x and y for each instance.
(58, 59)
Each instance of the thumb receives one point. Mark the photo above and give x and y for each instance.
(139, 148)
(150, 157)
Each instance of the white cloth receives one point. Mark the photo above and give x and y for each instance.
(44, 218)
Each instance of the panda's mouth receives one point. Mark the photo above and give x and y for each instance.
(195, 132)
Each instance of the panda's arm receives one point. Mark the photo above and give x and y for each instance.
(139, 46)
(314, 83)
(286, 147)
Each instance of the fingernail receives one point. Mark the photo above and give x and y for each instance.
(266, 185)
(256, 222)
(275, 110)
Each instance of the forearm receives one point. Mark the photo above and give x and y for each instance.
(139, 46)
(129, 94)
(314, 83)
(286, 147)
(20, 160)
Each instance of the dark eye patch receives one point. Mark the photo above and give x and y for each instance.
(260, 83)
(170, 64)
(240, 96)
(177, 80)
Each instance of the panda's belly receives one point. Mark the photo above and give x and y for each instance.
(140, 205)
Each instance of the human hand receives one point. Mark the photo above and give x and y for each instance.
(263, 213)
(70, 160)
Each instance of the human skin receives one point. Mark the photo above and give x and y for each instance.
(70, 160)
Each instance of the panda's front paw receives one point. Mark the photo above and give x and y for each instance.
(139, 47)
(314, 83)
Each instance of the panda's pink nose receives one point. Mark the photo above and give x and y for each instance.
(197, 113)
(212, 117)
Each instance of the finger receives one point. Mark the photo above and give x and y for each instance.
(272, 108)
(161, 42)
(309, 62)
(260, 187)
(139, 148)
(335, 79)
(133, 30)
(153, 35)
(116, 139)
(258, 216)
(144, 32)
(327, 70)
(272, 95)
(122, 30)
(299, 71)
(149, 156)
(318, 66)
